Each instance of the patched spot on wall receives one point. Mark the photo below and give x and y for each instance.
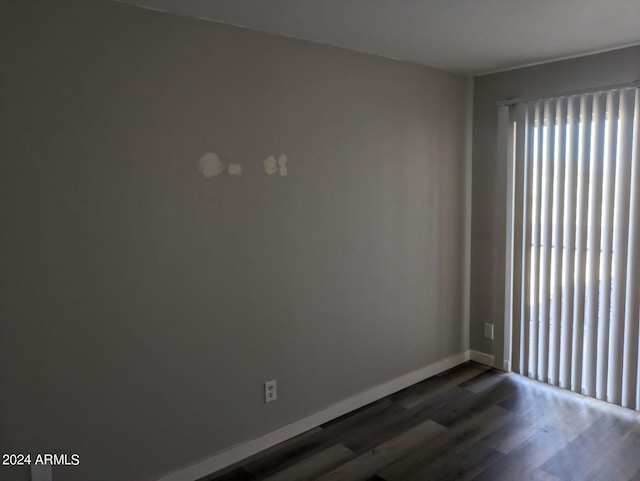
(210, 165)
(270, 165)
(235, 169)
(282, 163)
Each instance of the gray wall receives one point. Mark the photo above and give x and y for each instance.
(143, 305)
(489, 176)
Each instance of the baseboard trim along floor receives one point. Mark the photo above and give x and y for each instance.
(244, 450)
(482, 358)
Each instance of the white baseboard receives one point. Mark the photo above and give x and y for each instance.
(244, 450)
(482, 358)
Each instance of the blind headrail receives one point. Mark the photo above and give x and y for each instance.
(570, 93)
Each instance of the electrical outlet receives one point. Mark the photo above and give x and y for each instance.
(270, 391)
(488, 330)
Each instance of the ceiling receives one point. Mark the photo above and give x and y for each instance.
(466, 36)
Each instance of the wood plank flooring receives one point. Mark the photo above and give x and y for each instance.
(469, 423)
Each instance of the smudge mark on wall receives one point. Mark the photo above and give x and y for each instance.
(282, 163)
(210, 165)
(271, 165)
(235, 169)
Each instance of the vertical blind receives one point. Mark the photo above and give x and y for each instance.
(575, 292)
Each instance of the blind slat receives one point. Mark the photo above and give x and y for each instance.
(527, 250)
(519, 220)
(631, 384)
(557, 240)
(619, 246)
(582, 202)
(535, 248)
(569, 241)
(596, 161)
(545, 238)
(606, 235)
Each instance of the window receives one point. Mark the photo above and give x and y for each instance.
(574, 288)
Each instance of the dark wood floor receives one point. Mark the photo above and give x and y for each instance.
(470, 423)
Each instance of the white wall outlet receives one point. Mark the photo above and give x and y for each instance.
(270, 391)
(488, 330)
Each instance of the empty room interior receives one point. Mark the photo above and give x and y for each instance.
(298, 240)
